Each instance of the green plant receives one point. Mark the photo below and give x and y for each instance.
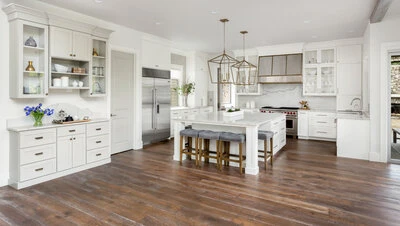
(185, 89)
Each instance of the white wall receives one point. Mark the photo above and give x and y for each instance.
(122, 38)
(379, 33)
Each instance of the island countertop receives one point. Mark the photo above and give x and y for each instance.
(218, 118)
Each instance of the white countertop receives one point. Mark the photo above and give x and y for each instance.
(217, 118)
(362, 116)
(182, 108)
(320, 110)
(51, 125)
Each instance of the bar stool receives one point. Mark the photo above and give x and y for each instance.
(227, 138)
(205, 136)
(188, 150)
(265, 136)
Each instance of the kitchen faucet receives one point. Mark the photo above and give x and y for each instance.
(357, 104)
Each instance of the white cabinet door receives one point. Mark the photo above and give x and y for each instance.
(78, 150)
(302, 124)
(81, 46)
(349, 79)
(349, 54)
(64, 153)
(61, 42)
(156, 55)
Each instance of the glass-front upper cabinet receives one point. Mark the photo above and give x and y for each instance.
(319, 72)
(28, 59)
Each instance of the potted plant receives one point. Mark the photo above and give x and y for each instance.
(184, 90)
(38, 113)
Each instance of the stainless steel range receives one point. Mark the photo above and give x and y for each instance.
(291, 117)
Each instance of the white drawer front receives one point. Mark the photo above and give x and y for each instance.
(175, 114)
(98, 154)
(96, 129)
(98, 142)
(37, 169)
(38, 153)
(206, 110)
(322, 121)
(322, 132)
(185, 112)
(195, 111)
(322, 115)
(37, 137)
(70, 130)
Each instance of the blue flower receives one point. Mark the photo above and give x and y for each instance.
(40, 105)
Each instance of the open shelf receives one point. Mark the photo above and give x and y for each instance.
(69, 87)
(34, 72)
(34, 48)
(99, 57)
(68, 73)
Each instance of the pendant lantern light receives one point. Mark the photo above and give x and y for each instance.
(219, 67)
(244, 73)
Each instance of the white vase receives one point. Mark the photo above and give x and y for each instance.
(184, 101)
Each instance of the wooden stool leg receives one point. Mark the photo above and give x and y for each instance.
(265, 154)
(207, 150)
(196, 145)
(220, 150)
(181, 149)
(189, 148)
(200, 149)
(240, 158)
(272, 150)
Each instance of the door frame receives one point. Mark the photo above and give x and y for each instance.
(136, 103)
(387, 49)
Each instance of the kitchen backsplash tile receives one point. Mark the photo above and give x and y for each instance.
(287, 95)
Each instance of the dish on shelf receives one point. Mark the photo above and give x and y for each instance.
(312, 72)
(60, 68)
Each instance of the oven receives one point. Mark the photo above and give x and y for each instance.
(291, 125)
(291, 117)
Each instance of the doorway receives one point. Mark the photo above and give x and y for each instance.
(122, 99)
(394, 153)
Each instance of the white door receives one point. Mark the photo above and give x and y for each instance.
(122, 72)
(82, 48)
(60, 42)
(64, 153)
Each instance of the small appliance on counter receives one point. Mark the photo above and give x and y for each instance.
(64, 118)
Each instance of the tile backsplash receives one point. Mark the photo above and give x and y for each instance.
(287, 95)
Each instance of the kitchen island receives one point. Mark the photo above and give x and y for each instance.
(248, 123)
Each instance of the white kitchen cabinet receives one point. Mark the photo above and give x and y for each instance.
(176, 113)
(353, 138)
(322, 125)
(71, 147)
(39, 155)
(156, 55)
(319, 72)
(278, 127)
(349, 78)
(302, 124)
(68, 44)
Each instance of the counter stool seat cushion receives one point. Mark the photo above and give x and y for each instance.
(207, 134)
(189, 133)
(264, 135)
(234, 137)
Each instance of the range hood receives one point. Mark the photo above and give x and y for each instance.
(275, 69)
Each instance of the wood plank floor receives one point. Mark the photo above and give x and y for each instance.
(308, 185)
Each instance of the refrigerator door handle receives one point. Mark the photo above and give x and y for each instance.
(158, 108)
(153, 116)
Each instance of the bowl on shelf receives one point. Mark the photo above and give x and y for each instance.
(60, 68)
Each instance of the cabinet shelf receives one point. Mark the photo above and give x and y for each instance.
(34, 48)
(98, 76)
(63, 88)
(68, 73)
(34, 72)
(99, 57)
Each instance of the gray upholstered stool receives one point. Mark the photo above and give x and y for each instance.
(265, 136)
(190, 134)
(227, 138)
(205, 136)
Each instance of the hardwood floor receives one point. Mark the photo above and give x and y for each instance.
(308, 185)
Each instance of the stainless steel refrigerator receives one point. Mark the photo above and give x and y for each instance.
(156, 105)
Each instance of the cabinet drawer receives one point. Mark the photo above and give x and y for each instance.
(96, 129)
(322, 115)
(70, 130)
(194, 111)
(206, 110)
(97, 142)
(175, 114)
(323, 132)
(37, 137)
(185, 112)
(97, 154)
(38, 153)
(330, 122)
(37, 169)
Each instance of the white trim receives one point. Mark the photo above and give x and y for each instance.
(385, 133)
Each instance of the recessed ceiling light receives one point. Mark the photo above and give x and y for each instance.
(307, 21)
(314, 36)
(214, 12)
(98, 1)
(158, 23)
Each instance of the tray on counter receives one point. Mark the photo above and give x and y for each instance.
(70, 122)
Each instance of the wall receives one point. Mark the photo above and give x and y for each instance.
(179, 60)
(287, 95)
(123, 38)
(379, 33)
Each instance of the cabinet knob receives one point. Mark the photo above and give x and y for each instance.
(91, 93)
(74, 55)
(47, 94)
(70, 54)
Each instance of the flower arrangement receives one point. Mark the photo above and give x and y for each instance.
(38, 113)
(185, 89)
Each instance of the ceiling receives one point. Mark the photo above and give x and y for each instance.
(194, 24)
(394, 10)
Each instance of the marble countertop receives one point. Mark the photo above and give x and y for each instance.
(52, 125)
(362, 116)
(218, 118)
(320, 110)
(182, 108)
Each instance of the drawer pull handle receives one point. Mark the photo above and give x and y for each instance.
(40, 153)
(276, 123)
(98, 129)
(98, 154)
(275, 133)
(282, 140)
(322, 132)
(98, 142)
(322, 115)
(72, 130)
(321, 122)
(38, 138)
(39, 169)
(275, 146)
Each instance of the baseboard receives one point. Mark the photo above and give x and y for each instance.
(374, 156)
(3, 180)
